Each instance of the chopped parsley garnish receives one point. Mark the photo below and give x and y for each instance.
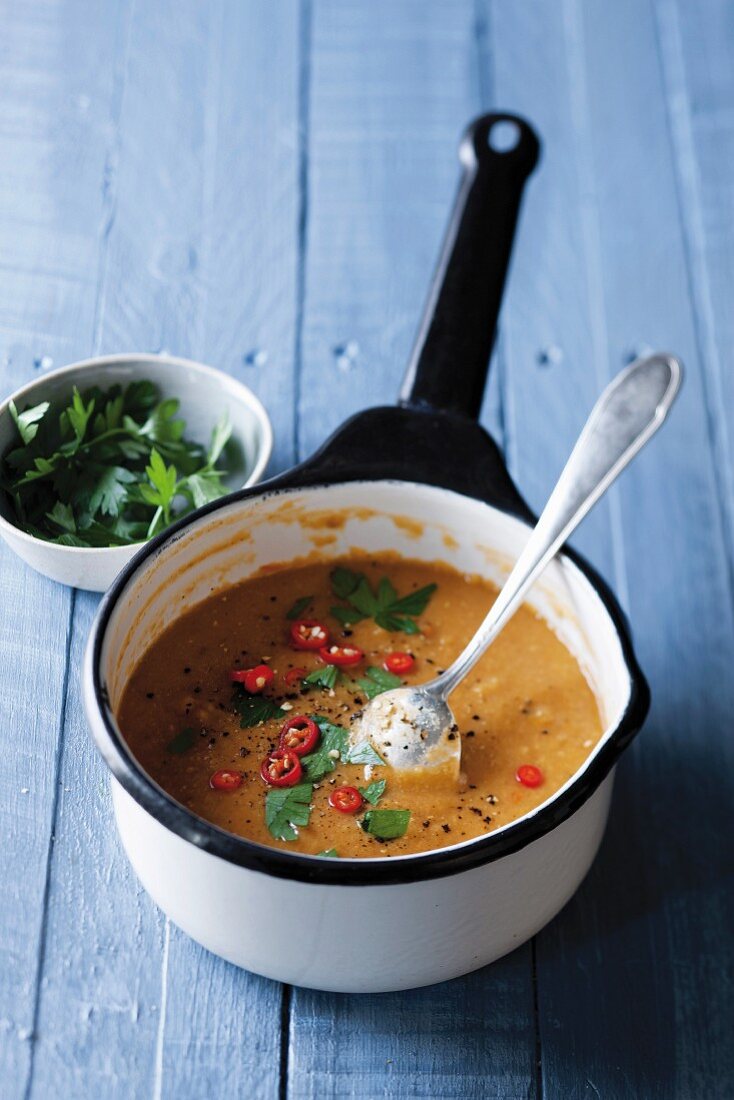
(376, 680)
(108, 468)
(298, 607)
(386, 824)
(254, 709)
(374, 791)
(363, 753)
(329, 853)
(347, 616)
(333, 739)
(344, 581)
(182, 742)
(286, 808)
(390, 611)
(326, 677)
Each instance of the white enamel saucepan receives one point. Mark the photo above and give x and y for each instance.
(425, 480)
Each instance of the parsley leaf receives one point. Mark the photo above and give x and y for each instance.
(27, 422)
(333, 739)
(386, 593)
(203, 487)
(63, 516)
(298, 607)
(255, 709)
(163, 481)
(110, 488)
(347, 616)
(286, 808)
(329, 853)
(140, 397)
(364, 599)
(111, 415)
(386, 824)
(78, 414)
(326, 677)
(221, 434)
(415, 603)
(400, 613)
(390, 611)
(392, 622)
(344, 581)
(182, 742)
(363, 753)
(373, 792)
(70, 539)
(161, 427)
(376, 680)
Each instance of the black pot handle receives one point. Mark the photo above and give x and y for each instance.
(448, 367)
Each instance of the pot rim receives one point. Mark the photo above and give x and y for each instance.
(382, 871)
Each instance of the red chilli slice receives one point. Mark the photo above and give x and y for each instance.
(529, 775)
(254, 679)
(281, 768)
(399, 663)
(294, 676)
(299, 735)
(309, 634)
(343, 656)
(225, 780)
(347, 800)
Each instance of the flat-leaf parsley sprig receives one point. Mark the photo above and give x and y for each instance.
(286, 808)
(390, 611)
(108, 468)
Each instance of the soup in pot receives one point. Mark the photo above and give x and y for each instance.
(242, 709)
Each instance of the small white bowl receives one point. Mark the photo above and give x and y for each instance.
(204, 393)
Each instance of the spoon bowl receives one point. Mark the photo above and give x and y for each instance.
(413, 727)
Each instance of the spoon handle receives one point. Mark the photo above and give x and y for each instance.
(628, 413)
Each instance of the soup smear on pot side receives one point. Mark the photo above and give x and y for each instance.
(241, 709)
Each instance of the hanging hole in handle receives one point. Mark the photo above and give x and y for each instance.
(504, 136)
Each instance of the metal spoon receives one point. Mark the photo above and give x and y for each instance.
(413, 727)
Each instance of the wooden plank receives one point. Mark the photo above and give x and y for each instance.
(195, 182)
(548, 333)
(631, 981)
(695, 47)
(101, 992)
(252, 225)
(57, 71)
(469, 1038)
(388, 101)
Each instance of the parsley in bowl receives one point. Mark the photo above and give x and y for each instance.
(99, 457)
(109, 468)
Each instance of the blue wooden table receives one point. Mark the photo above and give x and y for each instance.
(263, 186)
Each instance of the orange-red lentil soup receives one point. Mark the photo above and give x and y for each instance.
(526, 715)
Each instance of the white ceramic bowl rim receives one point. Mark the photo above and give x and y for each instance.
(218, 378)
(347, 872)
